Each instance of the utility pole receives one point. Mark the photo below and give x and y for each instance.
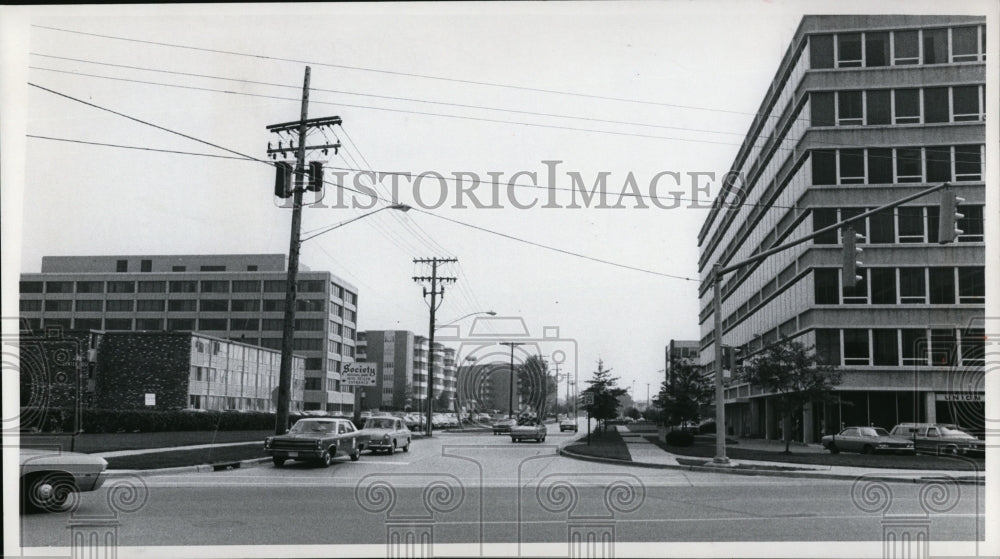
(284, 189)
(510, 409)
(434, 279)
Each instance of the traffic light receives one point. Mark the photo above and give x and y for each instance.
(851, 254)
(948, 229)
(315, 176)
(283, 179)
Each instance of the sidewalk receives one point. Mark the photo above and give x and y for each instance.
(647, 454)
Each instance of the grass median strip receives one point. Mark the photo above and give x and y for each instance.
(607, 444)
(196, 457)
(108, 442)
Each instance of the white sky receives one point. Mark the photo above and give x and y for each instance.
(80, 199)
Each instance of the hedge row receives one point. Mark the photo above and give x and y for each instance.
(680, 438)
(56, 420)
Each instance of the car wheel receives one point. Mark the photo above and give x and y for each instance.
(278, 461)
(407, 447)
(868, 449)
(47, 493)
(325, 459)
(542, 440)
(393, 449)
(355, 456)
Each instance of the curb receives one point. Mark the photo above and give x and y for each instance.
(200, 468)
(908, 478)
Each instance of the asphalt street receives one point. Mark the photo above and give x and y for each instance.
(481, 489)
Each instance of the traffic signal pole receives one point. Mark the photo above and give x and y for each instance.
(948, 203)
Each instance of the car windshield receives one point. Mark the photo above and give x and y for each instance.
(313, 427)
(379, 424)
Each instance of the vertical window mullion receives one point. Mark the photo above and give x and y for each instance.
(836, 164)
(892, 48)
(864, 100)
(958, 299)
(864, 59)
(951, 48)
(920, 105)
(920, 47)
(864, 171)
(951, 100)
(836, 51)
(923, 164)
(843, 348)
(899, 348)
(952, 156)
(892, 109)
(871, 345)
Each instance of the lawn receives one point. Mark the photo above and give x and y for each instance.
(607, 444)
(906, 462)
(107, 442)
(172, 458)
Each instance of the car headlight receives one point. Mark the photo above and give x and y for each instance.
(319, 444)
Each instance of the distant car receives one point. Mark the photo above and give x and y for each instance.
(317, 440)
(49, 477)
(940, 438)
(414, 421)
(502, 426)
(386, 433)
(529, 430)
(568, 424)
(866, 440)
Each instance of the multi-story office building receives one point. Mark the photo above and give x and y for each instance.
(393, 352)
(238, 297)
(863, 111)
(678, 350)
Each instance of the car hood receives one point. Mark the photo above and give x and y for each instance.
(32, 456)
(302, 436)
(893, 440)
(373, 432)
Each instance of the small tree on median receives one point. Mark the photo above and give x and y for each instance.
(606, 393)
(791, 371)
(687, 392)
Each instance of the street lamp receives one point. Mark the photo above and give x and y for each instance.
(450, 322)
(295, 244)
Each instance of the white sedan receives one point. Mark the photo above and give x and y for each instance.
(49, 477)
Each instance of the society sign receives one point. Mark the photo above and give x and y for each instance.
(358, 374)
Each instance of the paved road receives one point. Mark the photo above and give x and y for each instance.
(473, 488)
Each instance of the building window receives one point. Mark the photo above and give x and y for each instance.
(822, 108)
(936, 104)
(149, 324)
(59, 305)
(909, 165)
(311, 305)
(973, 347)
(182, 305)
(118, 323)
(146, 266)
(907, 106)
(245, 305)
(965, 103)
(251, 267)
(850, 108)
(885, 347)
(214, 305)
(827, 286)
(857, 295)
(314, 363)
(309, 324)
(971, 286)
(968, 163)
(152, 287)
(32, 305)
(244, 324)
(971, 224)
(912, 286)
(883, 286)
(275, 286)
(214, 286)
(308, 344)
(914, 346)
(178, 268)
(856, 347)
(273, 324)
(938, 164)
(121, 266)
(274, 305)
(877, 49)
(63, 323)
(30, 287)
(311, 286)
(180, 324)
(58, 287)
(87, 323)
(965, 44)
(852, 166)
(246, 286)
(911, 224)
(212, 268)
(211, 323)
(881, 228)
(821, 51)
(944, 347)
(824, 167)
(119, 305)
(878, 107)
(906, 47)
(183, 287)
(271, 343)
(90, 287)
(849, 50)
(89, 305)
(150, 305)
(942, 286)
(935, 46)
(121, 287)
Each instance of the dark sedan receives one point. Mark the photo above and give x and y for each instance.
(503, 426)
(866, 440)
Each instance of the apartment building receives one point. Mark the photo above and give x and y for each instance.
(239, 297)
(862, 111)
(402, 359)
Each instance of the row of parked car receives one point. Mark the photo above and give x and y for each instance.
(906, 438)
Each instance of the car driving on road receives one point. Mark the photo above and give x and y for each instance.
(318, 440)
(528, 430)
(940, 438)
(49, 477)
(386, 434)
(568, 424)
(502, 426)
(866, 440)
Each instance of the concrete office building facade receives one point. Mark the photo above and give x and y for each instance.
(237, 297)
(402, 359)
(863, 111)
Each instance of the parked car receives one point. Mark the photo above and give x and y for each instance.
(414, 421)
(568, 424)
(866, 440)
(940, 438)
(484, 418)
(318, 440)
(386, 433)
(502, 426)
(49, 477)
(528, 430)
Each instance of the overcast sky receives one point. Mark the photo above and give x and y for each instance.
(699, 71)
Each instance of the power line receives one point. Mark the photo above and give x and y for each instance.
(171, 151)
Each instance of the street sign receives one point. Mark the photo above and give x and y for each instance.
(587, 399)
(359, 374)
(150, 399)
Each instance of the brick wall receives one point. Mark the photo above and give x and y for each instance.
(133, 365)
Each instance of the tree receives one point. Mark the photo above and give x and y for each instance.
(791, 371)
(538, 385)
(606, 393)
(687, 392)
(633, 413)
(443, 402)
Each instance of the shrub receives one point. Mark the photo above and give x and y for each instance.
(708, 427)
(150, 421)
(680, 438)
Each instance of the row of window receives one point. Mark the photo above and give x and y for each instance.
(146, 265)
(178, 305)
(900, 347)
(178, 286)
(903, 286)
(897, 165)
(898, 48)
(204, 402)
(906, 224)
(876, 107)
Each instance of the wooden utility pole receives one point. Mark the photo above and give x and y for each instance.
(434, 279)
